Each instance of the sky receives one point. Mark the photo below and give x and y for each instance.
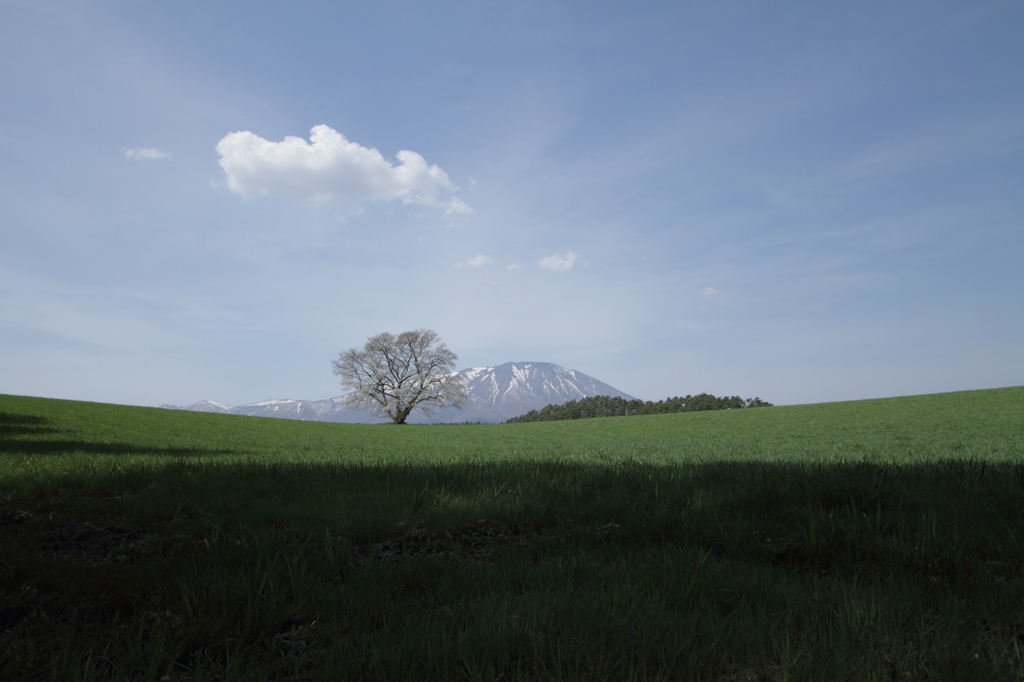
(799, 201)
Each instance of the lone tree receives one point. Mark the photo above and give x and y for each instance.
(392, 375)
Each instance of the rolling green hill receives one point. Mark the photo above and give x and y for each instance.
(876, 539)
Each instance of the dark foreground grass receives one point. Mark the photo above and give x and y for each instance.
(874, 540)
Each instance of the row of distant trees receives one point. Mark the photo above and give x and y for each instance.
(606, 406)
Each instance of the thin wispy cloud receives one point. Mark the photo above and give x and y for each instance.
(710, 291)
(143, 153)
(329, 165)
(477, 261)
(558, 262)
(513, 267)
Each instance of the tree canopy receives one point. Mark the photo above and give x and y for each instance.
(393, 375)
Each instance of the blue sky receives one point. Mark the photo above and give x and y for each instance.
(804, 202)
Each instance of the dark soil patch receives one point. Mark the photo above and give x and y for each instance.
(96, 545)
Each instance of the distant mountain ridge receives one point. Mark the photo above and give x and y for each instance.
(495, 394)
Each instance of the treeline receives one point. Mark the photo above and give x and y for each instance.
(606, 406)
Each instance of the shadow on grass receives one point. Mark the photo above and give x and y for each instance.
(61, 447)
(833, 517)
(15, 427)
(839, 557)
(23, 425)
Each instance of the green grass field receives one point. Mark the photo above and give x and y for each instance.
(868, 540)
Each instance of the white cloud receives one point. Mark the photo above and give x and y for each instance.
(140, 153)
(513, 267)
(456, 205)
(558, 262)
(710, 291)
(477, 261)
(330, 165)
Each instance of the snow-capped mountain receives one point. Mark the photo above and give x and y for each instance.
(204, 406)
(495, 394)
(515, 388)
(330, 410)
